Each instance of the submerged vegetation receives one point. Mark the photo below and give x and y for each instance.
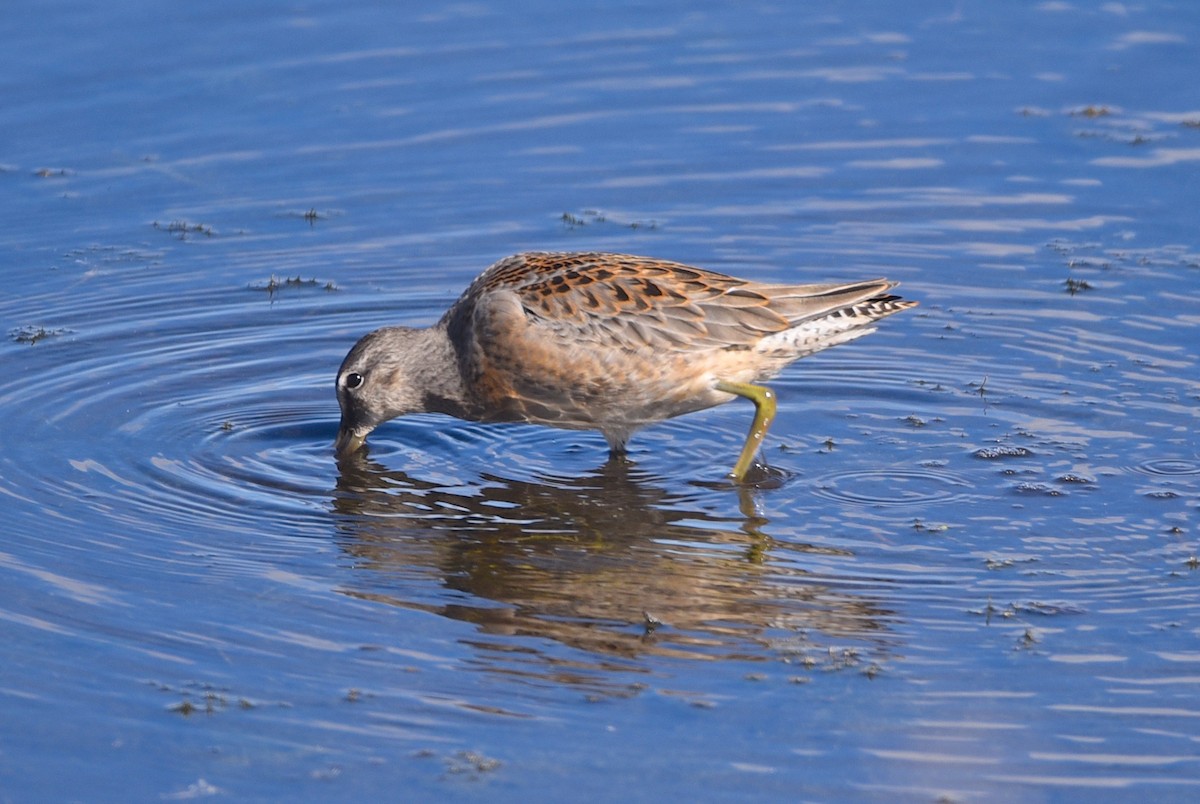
(182, 229)
(592, 216)
(32, 334)
(276, 285)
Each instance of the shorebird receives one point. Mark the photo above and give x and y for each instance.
(595, 341)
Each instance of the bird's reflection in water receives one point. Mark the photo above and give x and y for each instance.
(607, 563)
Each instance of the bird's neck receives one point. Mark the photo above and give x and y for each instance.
(438, 373)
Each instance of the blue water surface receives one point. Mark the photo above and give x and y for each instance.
(975, 577)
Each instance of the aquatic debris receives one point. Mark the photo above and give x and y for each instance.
(1003, 451)
(1092, 262)
(980, 388)
(1007, 562)
(275, 284)
(471, 763)
(1161, 494)
(31, 334)
(310, 215)
(573, 221)
(834, 660)
(1042, 489)
(1046, 608)
(1077, 285)
(1036, 607)
(1091, 111)
(211, 703)
(991, 610)
(203, 698)
(590, 216)
(181, 228)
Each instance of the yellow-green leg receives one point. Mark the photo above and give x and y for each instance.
(764, 413)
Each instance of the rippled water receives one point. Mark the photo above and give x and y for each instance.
(974, 576)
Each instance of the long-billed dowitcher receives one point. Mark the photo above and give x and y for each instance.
(606, 342)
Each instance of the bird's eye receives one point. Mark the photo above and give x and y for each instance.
(354, 380)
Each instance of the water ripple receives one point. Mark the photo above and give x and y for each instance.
(158, 424)
(892, 487)
(1168, 467)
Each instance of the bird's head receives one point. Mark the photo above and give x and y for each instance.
(375, 384)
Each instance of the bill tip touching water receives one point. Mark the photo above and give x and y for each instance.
(607, 342)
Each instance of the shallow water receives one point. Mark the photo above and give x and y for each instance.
(976, 579)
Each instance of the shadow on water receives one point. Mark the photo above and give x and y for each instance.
(605, 562)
